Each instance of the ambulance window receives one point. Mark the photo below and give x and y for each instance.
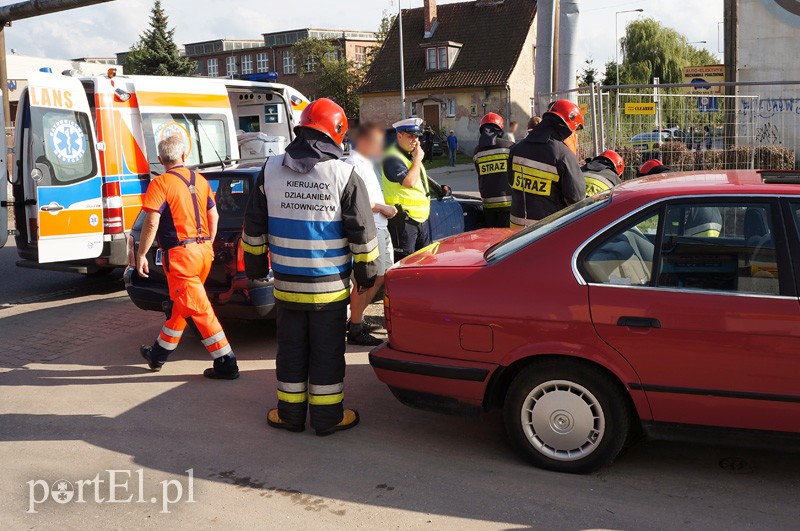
(206, 136)
(62, 146)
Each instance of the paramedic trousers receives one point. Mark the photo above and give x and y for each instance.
(187, 267)
(310, 365)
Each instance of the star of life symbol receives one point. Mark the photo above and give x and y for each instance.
(62, 491)
(67, 141)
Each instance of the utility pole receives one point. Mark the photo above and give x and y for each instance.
(22, 10)
(402, 61)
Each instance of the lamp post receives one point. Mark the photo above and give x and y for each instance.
(688, 45)
(616, 60)
(402, 62)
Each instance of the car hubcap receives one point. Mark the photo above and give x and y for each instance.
(562, 420)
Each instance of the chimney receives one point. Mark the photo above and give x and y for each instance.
(431, 21)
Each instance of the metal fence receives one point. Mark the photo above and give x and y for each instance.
(701, 126)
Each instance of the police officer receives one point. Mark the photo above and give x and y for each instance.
(703, 222)
(182, 215)
(491, 163)
(603, 172)
(544, 174)
(312, 211)
(405, 185)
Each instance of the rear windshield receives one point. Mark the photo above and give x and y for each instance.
(231, 194)
(548, 225)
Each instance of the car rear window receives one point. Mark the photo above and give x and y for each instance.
(546, 226)
(231, 195)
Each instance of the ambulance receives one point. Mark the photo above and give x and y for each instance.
(85, 151)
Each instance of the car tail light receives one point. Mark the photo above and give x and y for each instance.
(239, 258)
(387, 313)
(112, 209)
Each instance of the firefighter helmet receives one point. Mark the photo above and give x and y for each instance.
(614, 158)
(493, 119)
(326, 116)
(568, 111)
(648, 167)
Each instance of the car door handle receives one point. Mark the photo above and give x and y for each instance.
(639, 322)
(52, 207)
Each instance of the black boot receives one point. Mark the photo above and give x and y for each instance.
(358, 335)
(156, 356)
(225, 368)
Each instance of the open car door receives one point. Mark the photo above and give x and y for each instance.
(61, 170)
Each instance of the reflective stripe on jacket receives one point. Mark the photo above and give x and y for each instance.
(491, 163)
(415, 201)
(318, 228)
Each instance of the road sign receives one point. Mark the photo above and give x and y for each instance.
(707, 104)
(640, 108)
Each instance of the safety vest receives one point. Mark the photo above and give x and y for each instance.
(596, 183)
(491, 163)
(415, 201)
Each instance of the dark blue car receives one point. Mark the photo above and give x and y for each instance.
(231, 293)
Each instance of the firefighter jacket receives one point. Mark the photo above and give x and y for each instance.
(599, 177)
(491, 163)
(318, 228)
(416, 200)
(544, 174)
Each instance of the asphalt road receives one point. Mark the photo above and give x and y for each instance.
(76, 401)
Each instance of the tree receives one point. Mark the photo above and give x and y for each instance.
(651, 49)
(387, 21)
(156, 53)
(335, 77)
(589, 74)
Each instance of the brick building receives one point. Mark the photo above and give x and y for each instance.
(272, 53)
(462, 60)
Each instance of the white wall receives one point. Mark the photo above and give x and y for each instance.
(20, 67)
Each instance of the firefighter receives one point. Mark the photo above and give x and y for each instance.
(603, 172)
(182, 215)
(312, 211)
(405, 186)
(701, 222)
(544, 174)
(491, 163)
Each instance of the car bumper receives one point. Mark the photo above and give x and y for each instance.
(258, 303)
(431, 382)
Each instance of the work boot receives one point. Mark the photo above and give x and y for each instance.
(358, 335)
(155, 356)
(274, 421)
(225, 368)
(349, 420)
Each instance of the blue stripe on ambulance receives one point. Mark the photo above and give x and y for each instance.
(70, 194)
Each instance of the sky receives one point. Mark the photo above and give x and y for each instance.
(106, 29)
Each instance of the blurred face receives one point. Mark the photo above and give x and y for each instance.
(407, 141)
(371, 145)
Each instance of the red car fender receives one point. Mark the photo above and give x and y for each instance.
(605, 357)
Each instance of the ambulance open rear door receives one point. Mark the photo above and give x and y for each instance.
(3, 181)
(62, 182)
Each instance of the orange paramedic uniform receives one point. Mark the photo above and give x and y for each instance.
(183, 197)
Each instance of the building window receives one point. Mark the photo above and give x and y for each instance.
(289, 64)
(361, 55)
(230, 66)
(262, 62)
(213, 68)
(247, 64)
(332, 56)
(438, 58)
(310, 65)
(451, 107)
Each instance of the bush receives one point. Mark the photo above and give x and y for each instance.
(632, 158)
(710, 159)
(738, 157)
(774, 158)
(677, 156)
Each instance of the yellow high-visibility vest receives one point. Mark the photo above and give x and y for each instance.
(415, 201)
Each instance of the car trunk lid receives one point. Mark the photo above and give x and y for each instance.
(463, 250)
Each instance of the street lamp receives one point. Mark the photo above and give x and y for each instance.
(402, 60)
(616, 35)
(688, 45)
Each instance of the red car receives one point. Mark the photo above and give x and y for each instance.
(668, 305)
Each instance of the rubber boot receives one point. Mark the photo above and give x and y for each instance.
(274, 421)
(350, 419)
(225, 368)
(156, 356)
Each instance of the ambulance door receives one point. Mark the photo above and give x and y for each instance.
(3, 181)
(63, 186)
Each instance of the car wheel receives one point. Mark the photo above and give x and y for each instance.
(566, 416)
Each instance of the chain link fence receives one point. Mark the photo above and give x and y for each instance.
(705, 126)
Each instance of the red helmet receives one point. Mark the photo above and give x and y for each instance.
(648, 166)
(569, 112)
(493, 118)
(325, 116)
(614, 158)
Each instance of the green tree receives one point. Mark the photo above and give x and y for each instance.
(335, 77)
(588, 74)
(387, 20)
(156, 53)
(651, 49)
